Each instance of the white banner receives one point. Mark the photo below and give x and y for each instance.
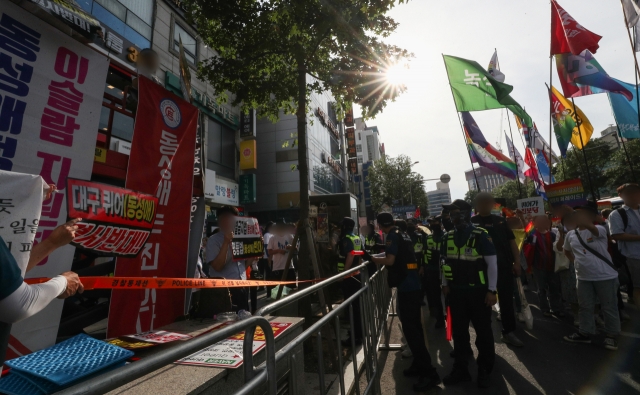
(51, 101)
(531, 207)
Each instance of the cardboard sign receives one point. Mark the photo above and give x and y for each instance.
(159, 337)
(247, 239)
(115, 221)
(531, 207)
(228, 353)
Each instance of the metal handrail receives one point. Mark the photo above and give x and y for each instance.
(278, 304)
(253, 377)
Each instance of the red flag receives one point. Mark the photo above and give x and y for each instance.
(567, 35)
(417, 214)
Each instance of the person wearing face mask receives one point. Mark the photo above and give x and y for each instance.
(431, 277)
(470, 274)
(417, 238)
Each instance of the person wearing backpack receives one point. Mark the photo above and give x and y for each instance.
(624, 224)
(586, 247)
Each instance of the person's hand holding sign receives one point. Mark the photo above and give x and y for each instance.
(61, 236)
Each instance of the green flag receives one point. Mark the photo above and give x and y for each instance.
(474, 89)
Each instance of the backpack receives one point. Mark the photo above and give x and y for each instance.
(618, 258)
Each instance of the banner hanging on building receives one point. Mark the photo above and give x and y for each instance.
(247, 239)
(569, 192)
(51, 89)
(115, 221)
(161, 164)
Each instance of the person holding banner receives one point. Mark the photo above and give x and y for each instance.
(220, 257)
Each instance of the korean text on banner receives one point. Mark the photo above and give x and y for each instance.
(569, 192)
(247, 239)
(51, 93)
(531, 207)
(160, 164)
(115, 221)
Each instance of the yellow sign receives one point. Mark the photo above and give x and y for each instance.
(100, 155)
(248, 159)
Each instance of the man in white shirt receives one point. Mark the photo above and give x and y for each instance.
(586, 246)
(278, 247)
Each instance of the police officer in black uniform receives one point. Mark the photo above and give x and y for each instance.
(431, 278)
(348, 243)
(417, 238)
(403, 269)
(470, 273)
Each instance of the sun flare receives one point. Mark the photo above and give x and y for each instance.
(396, 74)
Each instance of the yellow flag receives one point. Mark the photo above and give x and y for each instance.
(562, 108)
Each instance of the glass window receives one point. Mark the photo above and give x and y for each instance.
(133, 25)
(115, 118)
(359, 147)
(143, 9)
(189, 43)
(221, 150)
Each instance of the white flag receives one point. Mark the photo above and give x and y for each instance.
(494, 68)
(516, 157)
(632, 13)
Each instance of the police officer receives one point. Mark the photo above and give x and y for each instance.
(403, 268)
(372, 245)
(417, 238)
(347, 244)
(470, 273)
(431, 277)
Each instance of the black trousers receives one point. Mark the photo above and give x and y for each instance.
(467, 305)
(431, 285)
(505, 288)
(409, 304)
(239, 299)
(349, 287)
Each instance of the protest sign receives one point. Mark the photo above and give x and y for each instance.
(159, 337)
(51, 91)
(531, 207)
(161, 163)
(569, 192)
(247, 239)
(229, 353)
(115, 221)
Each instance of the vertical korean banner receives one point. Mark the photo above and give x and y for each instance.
(161, 164)
(50, 98)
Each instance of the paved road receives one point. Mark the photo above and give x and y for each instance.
(545, 365)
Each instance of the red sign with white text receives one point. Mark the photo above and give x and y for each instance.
(160, 164)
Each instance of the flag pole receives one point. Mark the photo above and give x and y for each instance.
(584, 153)
(624, 14)
(624, 146)
(550, 120)
(464, 138)
(515, 158)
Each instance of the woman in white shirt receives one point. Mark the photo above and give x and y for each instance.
(587, 246)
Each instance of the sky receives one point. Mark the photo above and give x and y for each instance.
(422, 123)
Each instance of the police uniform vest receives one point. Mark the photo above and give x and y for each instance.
(369, 243)
(464, 267)
(432, 255)
(357, 246)
(418, 247)
(405, 260)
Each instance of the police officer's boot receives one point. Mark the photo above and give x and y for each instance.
(458, 375)
(484, 378)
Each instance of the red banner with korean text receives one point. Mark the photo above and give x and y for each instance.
(160, 164)
(115, 221)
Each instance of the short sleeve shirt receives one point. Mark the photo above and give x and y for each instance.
(10, 277)
(630, 249)
(588, 266)
(231, 270)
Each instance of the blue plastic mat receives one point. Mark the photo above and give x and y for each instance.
(70, 360)
(12, 384)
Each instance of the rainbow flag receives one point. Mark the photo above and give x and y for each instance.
(484, 153)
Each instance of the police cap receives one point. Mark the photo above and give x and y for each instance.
(385, 219)
(457, 204)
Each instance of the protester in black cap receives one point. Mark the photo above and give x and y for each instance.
(431, 278)
(402, 272)
(347, 244)
(508, 262)
(597, 277)
(470, 275)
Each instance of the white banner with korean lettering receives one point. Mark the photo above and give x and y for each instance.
(51, 90)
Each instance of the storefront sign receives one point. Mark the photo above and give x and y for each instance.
(248, 189)
(247, 239)
(570, 192)
(221, 191)
(115, 45)
(332, 162)
(351, 142)
(353, 165)
(51, 89)
(160, 164)
(366, 184)
(348, 118)
(72, 15)
(248, 158)
(229, 352)
(100, 155)
(531, 207)
(326, 121)
(248, 125)
(402, 209)
(115, 221)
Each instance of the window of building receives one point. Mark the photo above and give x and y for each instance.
(221, 150)
(359, 137)
(189, 43)
(116, 120)
(359, 147)
(133, 19)
(359, 159)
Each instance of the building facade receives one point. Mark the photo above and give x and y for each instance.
(487, 179)
(440, 196)
(369, 149)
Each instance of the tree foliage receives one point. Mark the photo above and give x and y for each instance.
(619, 171)
(391, 179)
(511, 192)
(470, 196)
